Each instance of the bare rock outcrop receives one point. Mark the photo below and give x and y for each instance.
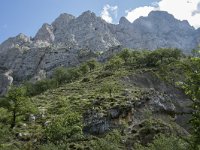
(60, 43)
(5, 82)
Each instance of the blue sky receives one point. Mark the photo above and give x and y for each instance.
(27, 16)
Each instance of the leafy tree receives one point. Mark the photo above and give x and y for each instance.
(162, 56)
(84, 68)
(73, 74)
(196, 52)
(64, 127)
(111, 141)
(18, 104)
(125, 55)
(6, 138)
(59, 75)
(114, 63)
(192, 88)
(109, 88)
(39, 86)
(62, 75)
(92, 64)
(138, 58)
(165, 143)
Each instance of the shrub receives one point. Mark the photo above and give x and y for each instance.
(125, 55)
(165, 143)
(39, 86)
(114, 63)
(92, 64)
(64, 127)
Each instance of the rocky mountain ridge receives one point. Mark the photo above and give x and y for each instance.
(70, 38)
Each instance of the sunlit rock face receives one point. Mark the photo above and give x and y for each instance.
(5, 81)
(62, 42)
(158, 30)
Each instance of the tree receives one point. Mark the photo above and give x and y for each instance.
(109, 88)
(114, 63)
(163, 56)
(62, 75)
(18, 104)
(64, 127)
(125, 55)
(59, 75)
(192, 88)
(196, 52)
(84, 68)
(38, 87)
(92, 64)
(165, 143)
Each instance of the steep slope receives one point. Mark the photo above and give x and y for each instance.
(88, 32)
(70, 38)
(157, 30)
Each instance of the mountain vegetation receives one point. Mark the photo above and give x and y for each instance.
(135, 100)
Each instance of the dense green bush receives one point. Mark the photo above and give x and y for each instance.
(125, 55)
(162, 56)
(114, 63)
(165, 143)
(192, 88)
(64, 127)
(92, 64)
(84, 69)
(39, 86)
(111, 141)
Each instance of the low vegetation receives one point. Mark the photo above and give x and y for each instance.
(52, 113)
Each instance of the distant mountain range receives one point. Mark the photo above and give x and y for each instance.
(70, 40)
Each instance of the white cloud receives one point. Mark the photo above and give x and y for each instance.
(138, 12)
(109, 12)
(181, 9)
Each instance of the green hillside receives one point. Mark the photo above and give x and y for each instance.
(135, 100)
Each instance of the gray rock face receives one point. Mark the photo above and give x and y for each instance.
(20, 41)
(158, 30)
(5, 81)
(87, 32)
(60, 43)
(44, 36)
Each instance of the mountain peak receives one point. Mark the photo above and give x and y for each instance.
(123, 20)
(160, 15)
(87, 15)
(65, 16)
(45, 33)
(62, 20)
(22, 36)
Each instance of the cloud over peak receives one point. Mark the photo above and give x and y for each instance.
(109, 12)
(181, 9)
